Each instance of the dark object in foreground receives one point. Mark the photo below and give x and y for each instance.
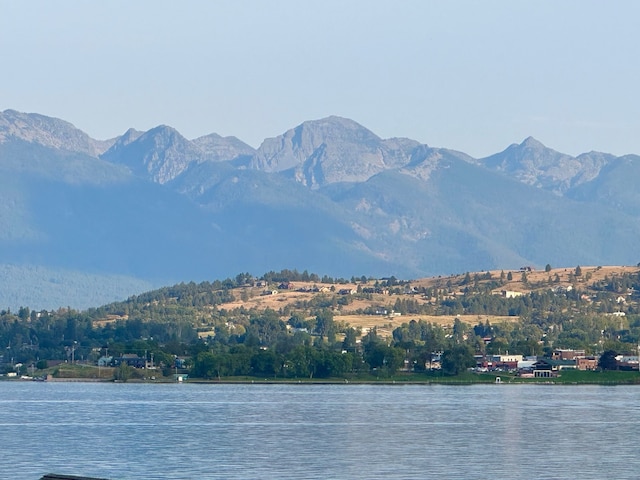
(53, 476)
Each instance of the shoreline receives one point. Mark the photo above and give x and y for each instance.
(607, 381)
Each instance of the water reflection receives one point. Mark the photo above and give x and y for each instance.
(318, 431)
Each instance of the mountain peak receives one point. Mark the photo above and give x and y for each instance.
(219, 149)
(160, 154)
(531, 142)
(329, 150)
(130, 135)
(336, 127)
(47, 131)
(341, 200)
(535, 164)
(163, 129)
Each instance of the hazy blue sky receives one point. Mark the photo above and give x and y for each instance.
(471, 75)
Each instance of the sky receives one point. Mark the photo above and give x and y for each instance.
(474, 76)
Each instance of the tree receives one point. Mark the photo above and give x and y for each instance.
(264, 362)
(608, 360)
(266, 328)
(459, 330)
(302, 361)
(350, 338)
(123, 372)
(497, 346)
(244, 295)
(381, 356)
(324, 324)
(394, 359)
(547, 268)
(210, 365)
(23, 313)
(509, 276)
(457, 360)
(578, 271)
(374, 353)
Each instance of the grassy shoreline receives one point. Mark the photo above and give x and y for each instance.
(567, 377)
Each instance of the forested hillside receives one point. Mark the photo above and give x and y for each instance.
(292, 324)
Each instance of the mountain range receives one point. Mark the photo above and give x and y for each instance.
(84, 221)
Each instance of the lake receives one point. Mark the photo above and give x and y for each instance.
(188, 431)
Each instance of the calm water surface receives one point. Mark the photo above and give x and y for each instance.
(138, 431)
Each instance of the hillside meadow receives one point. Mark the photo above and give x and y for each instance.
(298, 294)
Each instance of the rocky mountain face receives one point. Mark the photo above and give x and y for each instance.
(48, 132)
(534, 164)
(614, 186)
(221, 149)
(162, 154)
(331, 150)
(329, 196)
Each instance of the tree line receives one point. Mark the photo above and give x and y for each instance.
(303, 340)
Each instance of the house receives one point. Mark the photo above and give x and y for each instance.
(510, 294)
(382, 291)
(130, 359)
(435, 361)
(526, 364)
(553, 366)
(586, 363)
(505, 361)
(409, 290)
(562, 289)
(347, 291)
(567, 354)
(627, 362)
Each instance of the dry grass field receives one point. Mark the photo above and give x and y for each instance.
(386, 323)
(589, 275)
(349, 312)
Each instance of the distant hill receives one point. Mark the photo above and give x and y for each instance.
(328, 196)
(379, 303)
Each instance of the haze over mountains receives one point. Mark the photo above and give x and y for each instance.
(84, 222)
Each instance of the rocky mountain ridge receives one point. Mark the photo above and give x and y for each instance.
(534, 164)
(49, 132)
(315, 153)
(328, 195)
